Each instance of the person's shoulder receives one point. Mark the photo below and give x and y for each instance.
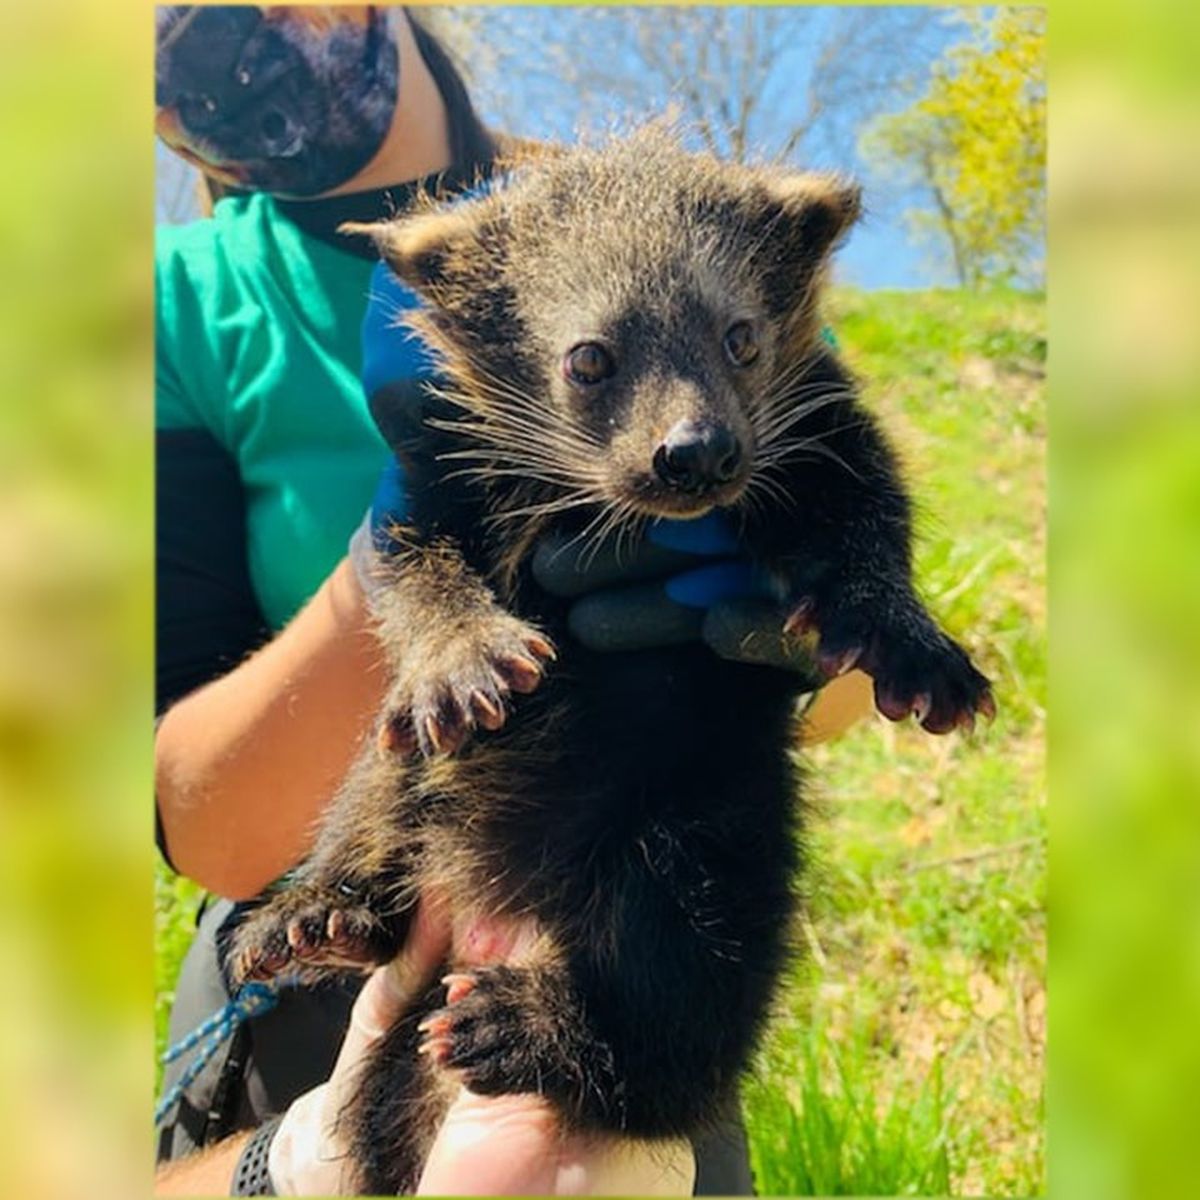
(208, 268)
(202, 271)
(235, 227)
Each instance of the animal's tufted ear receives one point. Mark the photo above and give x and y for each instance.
(817, 209)
(423, 247)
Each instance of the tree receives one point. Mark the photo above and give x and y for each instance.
(976, 141)
(785, 82)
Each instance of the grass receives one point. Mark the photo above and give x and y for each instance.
(824, 1132)
(908, 1054)
(176, 902)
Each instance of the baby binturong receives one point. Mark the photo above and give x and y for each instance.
(625, 333)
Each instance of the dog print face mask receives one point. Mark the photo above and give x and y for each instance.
(283, 99)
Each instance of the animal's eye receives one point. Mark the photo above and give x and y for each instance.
(741, 346)
(588, 363)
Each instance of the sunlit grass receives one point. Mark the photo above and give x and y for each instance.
(820, 1128)
(176, 901)
(909, 1058)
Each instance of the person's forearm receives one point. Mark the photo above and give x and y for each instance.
(244, 765)
(208, 1173)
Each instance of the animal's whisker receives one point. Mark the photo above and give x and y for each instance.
(583, 534)
(510, 424)
(519, 403)
(518, 433)
(567, 468)
(545, 509)
(791, 400)
(528, 474)
(587, 554)
(770, 488)
(788, 432)
(567, 460)
(816, 446)
(781, 415)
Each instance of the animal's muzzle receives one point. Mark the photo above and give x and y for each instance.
(698, 455)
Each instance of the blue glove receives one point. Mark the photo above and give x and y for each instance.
(394, 364)
(390, 353)
(389, 507)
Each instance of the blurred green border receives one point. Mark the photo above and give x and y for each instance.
(1125, 569)
(75, 547)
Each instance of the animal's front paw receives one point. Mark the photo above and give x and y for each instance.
(309, 937)
(486, 1031)
(463, 684)
(916, 667)
(932, 677)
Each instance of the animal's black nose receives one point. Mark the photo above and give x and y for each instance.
(698, 454)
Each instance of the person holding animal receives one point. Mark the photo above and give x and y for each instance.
(304, 119)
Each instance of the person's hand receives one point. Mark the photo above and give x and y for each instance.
(512, 1146)
(685, 581)
(689, 581)
(308, 1156)
(487, 1145)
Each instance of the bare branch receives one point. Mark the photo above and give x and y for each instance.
(745, 79)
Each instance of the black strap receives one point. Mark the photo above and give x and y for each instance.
(222, 1108)
(251, 1176)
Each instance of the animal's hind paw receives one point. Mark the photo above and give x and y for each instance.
(309, 939)
(465, 685)
(484, 1032)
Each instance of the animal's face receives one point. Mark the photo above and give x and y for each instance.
(626, 323)
(654, 351)
(292, 100)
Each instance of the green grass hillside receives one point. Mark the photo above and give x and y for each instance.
(910, 1057)
(908, 1054)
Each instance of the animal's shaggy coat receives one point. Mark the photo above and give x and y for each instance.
(636, 810)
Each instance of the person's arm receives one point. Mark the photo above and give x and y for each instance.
(244, 765)
(207, 616)
(207, 1173)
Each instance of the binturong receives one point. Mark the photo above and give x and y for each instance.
(625, 332)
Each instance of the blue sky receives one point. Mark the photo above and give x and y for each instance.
(515, 87)
(879, 255)
(894, 43)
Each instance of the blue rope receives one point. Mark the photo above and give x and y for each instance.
(252, 999)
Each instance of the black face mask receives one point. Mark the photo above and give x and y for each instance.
(283, 99)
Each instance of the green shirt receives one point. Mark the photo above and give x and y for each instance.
(258, 343)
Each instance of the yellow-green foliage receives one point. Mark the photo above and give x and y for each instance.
(977, 140)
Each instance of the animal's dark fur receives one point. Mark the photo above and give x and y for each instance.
(639, 806)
